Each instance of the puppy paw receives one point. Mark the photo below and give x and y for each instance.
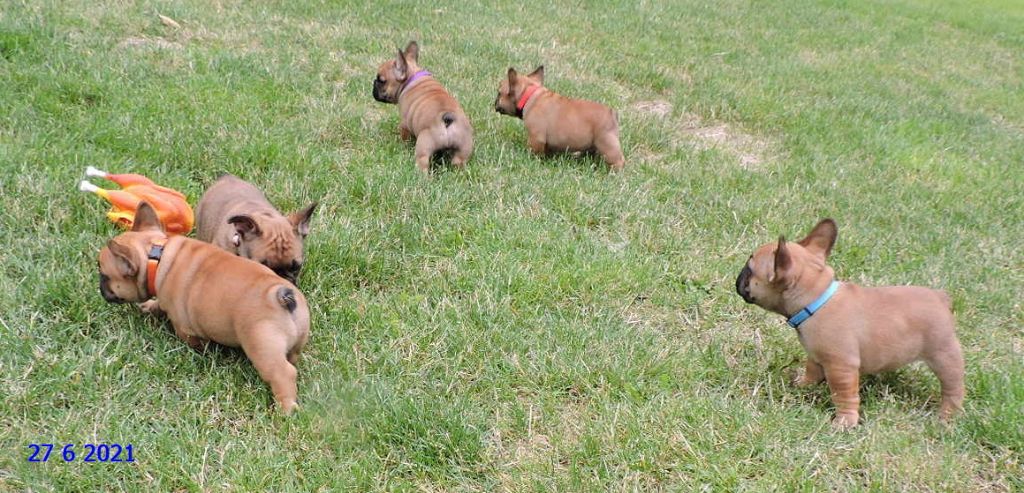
(151, 306)
(288, 407)
(948, 414)
(802, 381)
(845, 420)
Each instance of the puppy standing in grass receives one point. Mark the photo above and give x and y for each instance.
(210, 295)
(236, 216)
(555, 123)
(427, 111)
(848, 330)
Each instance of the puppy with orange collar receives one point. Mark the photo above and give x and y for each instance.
(555, 123)
(210, 295)
(849, 330)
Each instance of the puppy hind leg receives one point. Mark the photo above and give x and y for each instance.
(608, 145)
(266, 349)
(424, 151)
(813, 374)
(948, 366)
(296, 350)
(462, 153)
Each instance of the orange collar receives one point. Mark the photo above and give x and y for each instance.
(525, 98)
(153, 260)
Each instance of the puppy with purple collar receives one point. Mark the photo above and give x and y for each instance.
(849, 330)
(428, 113)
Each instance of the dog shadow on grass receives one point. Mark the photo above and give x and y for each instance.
(580, 161)
(907, 389)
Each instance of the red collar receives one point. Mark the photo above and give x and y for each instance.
(525, 98)
(153, 260)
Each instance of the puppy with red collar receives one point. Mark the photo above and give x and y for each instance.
(210, 294)
(850, 330)
(555, 123)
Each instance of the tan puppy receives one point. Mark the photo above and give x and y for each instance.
(210, 295)
(427, 111)
(236, 216)
(859, 330)
(555, 123)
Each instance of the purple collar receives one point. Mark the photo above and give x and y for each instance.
(414, 78)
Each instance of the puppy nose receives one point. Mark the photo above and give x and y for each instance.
(743, 284)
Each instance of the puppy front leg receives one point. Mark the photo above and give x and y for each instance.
(813, 374)
(844, 383)
(196, 343)
(537, 143)
(151, 306)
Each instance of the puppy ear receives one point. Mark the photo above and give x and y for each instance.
(146, 218)
(123, 256)
(782, 260)
(513, 76)
(412, 51)
(245, 225)
(821, 238)
(401, 67)
(300, 219)
(538, 74)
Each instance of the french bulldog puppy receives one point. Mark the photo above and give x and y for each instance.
(210, 295)
(236, 216)
(555, 123)
(427, 111)
(849, 330)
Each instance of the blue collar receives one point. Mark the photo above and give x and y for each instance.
(815, 305)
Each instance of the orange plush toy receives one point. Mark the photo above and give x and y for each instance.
(170, 205)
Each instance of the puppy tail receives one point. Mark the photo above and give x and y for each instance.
(286, 297)
(448, 118)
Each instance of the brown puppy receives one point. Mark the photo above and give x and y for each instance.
(236, 216)
(555, 123)
(210, 295)
(427, 111)
(858, 330)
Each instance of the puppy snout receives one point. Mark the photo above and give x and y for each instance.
(743, 284)
(289, 275)
(108, 295)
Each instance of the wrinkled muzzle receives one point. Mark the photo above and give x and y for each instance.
(108, 295)
(743, 284)
(378, 92)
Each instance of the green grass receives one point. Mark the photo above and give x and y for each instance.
(528, 324)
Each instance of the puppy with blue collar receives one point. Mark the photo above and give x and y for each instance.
(849, 330)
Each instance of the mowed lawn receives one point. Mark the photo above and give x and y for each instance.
(528, 324)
